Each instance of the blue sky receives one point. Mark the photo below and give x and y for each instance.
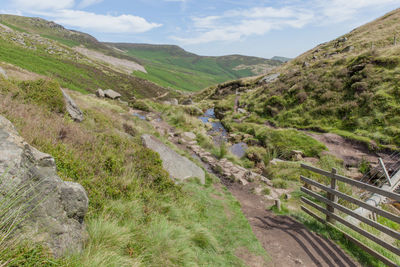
(258, 28)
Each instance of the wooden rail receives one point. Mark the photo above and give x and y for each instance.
(332, 209)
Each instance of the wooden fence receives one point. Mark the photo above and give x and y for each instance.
(332, 207)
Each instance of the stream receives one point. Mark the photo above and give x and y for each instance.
(219, 134)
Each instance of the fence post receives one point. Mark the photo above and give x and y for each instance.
(332, 197)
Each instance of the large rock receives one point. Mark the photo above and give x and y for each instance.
(188, 101)
(72, 108)
(179, 168)
(112, 94)
(100, 93)
(51, 211)
(188, 136)
(269, 78)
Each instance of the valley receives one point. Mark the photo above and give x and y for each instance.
(120, 154)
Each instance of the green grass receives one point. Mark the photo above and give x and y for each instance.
(74, 75)
(173, 67)
(137, 216)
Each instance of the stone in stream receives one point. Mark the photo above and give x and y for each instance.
(179, 167)
(51, 211)
(72, 109)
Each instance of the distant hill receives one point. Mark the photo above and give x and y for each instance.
(166, 65)
(47, 49)
(349, 86)
(172, 66)
(283, 59)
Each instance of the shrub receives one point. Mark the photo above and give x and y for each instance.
(44, 93)
(279, 183)
(139, 104)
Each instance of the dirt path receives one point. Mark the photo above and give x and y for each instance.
(287, 242)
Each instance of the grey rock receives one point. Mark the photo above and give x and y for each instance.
(187, 102)
(189, 136)
(51, 211)
(72, 109)
(306, 64)
(173, 101)
(241, 110)
(179, 167)
(269, 78)
(348, 49)
(111, 94)
(100, 93)
(3, 73)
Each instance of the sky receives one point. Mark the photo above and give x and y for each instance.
(262, 28)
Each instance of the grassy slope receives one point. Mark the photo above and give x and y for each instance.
(174, 67)
(168, 66)
(137, 216)
(355, 94)
(70, 72)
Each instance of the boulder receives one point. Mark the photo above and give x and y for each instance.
(297, 155)
(179, 167)
(3, 73)
(111, 94)
(100, 93)
(188, 101)
(51, 211)
(241, 110)
(188, 136)
(173, 101)
(348, 49)
(72, 108)
(269, 78)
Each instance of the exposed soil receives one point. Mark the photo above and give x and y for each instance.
(288, 242)
(351, 152)
(123, 64)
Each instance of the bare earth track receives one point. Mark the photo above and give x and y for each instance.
(288, 242)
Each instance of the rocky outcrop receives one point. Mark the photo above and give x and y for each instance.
(188, 136)
(188, 101)
(100, 93)
(269, 78)
(227, 169)
(112, 94)
(72, 109)
(179, 168)
(50, 210)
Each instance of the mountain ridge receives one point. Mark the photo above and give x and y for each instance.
(184, 71)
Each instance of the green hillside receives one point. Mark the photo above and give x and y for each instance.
(348, 86)
(21, 46)
(166, 65)
(171, 66)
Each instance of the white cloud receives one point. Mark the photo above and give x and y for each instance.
(342, 10)
(86, 3)
(42, 4)
(61, 11)
(237, 24)
(102, 23)
(234, 25)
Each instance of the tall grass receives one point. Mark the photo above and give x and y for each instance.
(137, 215)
